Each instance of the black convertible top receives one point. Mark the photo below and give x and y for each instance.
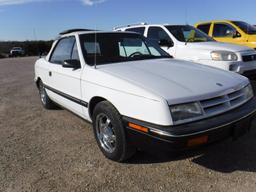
(75, 30)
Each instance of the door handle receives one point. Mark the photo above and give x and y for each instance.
(50, 73)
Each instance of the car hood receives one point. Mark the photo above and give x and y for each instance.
(176, 80)
(217, 46)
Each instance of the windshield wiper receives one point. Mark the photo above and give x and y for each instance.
(142, 57)
(189, 40)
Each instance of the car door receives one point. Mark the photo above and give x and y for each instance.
(65, 83)
(224, 32)
(158, 34)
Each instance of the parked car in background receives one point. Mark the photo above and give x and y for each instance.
(16, 51)
(188, 43)
(237, 32)
(136, 96)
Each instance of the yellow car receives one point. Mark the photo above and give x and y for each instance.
(237, 32)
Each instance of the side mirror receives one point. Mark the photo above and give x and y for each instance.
(165, 43)
(71, 63)
(42, 54)
(236, 34)
(233, 33)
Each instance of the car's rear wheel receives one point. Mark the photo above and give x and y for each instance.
(45, 100)
(110, 133)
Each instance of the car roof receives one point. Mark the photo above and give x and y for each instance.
(147, 25)
(138, 25)
(75, 30)
(211, 21)
(94, 32)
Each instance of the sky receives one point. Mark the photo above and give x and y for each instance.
(44, 19)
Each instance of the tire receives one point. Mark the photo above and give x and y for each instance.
(45, 100)
(110, 134)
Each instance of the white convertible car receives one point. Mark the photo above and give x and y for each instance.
(136, 96)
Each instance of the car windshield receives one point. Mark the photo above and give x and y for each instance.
(245, 27)
(187, 33)
(104, 48)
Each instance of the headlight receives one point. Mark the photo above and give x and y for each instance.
(223, 56)
(248, 92)
(185, 112)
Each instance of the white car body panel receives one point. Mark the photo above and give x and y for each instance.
(140, 89)
(183, 78)
(130, 100)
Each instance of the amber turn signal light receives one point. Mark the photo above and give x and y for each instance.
(138, 127)
(197, 141)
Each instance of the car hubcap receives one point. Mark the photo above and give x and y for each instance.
(105, 133)
(42, 94)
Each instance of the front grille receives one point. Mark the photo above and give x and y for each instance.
(223, 103)
(247, 58)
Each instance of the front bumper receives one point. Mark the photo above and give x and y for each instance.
(230, 124)
(247, 69)
(16, 53)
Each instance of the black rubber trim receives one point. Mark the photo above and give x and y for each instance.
(251, 74)
(158, 142)
(71, 98)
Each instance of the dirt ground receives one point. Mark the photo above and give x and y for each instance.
(44, 150)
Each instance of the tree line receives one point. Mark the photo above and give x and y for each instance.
(32, 48)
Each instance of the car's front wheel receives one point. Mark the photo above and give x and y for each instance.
(110, 133)
(45, 100)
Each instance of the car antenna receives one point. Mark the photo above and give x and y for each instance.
(95, 51)
(95, 47)
(35, 39)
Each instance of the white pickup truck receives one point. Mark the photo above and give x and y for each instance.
(188, 43)
(137, 96)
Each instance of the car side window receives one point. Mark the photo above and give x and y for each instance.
(75, 53)
(157, 33)
(205, 28)
(139, 30)
(223, 30)
(63, 50)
